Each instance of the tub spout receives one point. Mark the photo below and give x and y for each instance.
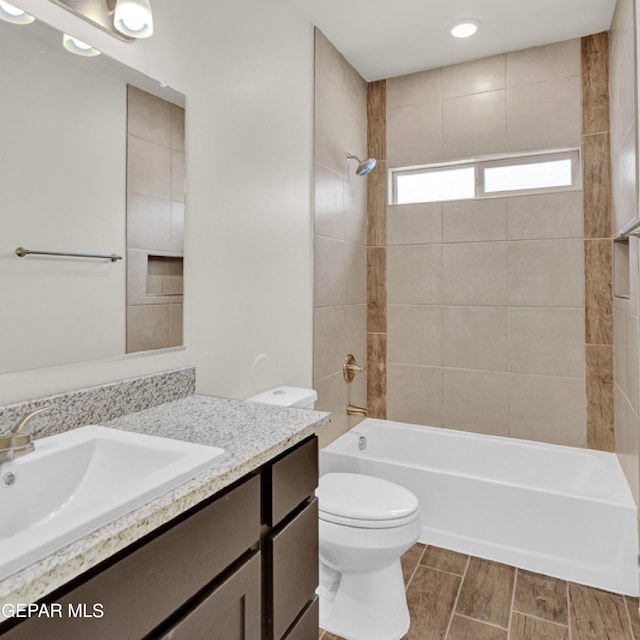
(353, 410)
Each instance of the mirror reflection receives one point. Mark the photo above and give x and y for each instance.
(92, 161)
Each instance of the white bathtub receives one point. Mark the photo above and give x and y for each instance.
(562, 511)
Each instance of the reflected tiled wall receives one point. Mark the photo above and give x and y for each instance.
(623, 118)
(340, 239)
(155, 221)
(486, 321)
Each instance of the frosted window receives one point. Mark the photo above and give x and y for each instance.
(435, 186)
(535, 175)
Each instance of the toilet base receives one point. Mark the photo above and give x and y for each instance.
(366, 605)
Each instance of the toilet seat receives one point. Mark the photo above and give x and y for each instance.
(365, 502)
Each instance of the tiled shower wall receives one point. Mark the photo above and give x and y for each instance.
(485, 315)
(622, 83)
(155, 221)
(340, 239)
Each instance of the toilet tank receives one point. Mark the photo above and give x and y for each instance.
(287, 397)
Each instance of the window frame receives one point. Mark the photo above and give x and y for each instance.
(480, 164)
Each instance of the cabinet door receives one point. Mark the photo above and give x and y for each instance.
(306, 627)
(294, 569)
(230, 612)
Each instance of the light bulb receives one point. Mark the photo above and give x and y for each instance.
(11, 13)
(78, 47)
(134, 18)
(464, 28)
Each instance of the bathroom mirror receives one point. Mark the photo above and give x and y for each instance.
(91, 162)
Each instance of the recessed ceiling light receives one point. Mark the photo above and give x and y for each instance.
(464, 28)
(10, 13)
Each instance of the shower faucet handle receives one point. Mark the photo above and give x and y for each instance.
(350, 367)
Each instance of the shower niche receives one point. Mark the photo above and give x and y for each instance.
(155, 221)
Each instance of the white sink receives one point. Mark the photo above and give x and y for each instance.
(78, 481)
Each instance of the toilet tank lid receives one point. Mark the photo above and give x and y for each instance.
(286, 397)
(363, 497)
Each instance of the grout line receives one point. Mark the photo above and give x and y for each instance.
(455, 602)
(570, 634)
(513, 599)
(626, 608)
(530, 615)
(489, 624)
(413, 573)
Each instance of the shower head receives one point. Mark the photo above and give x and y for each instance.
(364, 166)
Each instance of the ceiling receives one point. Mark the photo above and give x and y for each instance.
(386, 38)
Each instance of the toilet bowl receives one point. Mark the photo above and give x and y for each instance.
(366, 524)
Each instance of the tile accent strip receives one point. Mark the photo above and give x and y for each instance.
(96, 405)
(597, 244)
(376, 251)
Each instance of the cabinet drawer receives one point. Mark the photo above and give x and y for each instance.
(306, 628)
(294, 569)
(230, 612)
(142, 589)
(293, 479)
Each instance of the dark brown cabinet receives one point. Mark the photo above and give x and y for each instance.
(242, 565)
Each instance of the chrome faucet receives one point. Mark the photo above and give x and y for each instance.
(17, 441)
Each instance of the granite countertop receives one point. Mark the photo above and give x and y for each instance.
(251, 434)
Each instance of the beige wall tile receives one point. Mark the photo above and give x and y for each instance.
(355, 273)
(544, 115)
(177, 127)
(627, 441)
(414, 223)
(136, 276)
(414, 274)
(328, 341)
(476, 401)
(476, 76)
(475, 273)
(414, 88)
(474, 125)
(148, 117)
(548, 409)
(329, 272)
(547, 341)
(329, 203)
(474, 220)
(413, 134)
(148, 168)
(148, 327)
(176, 325)
(355, 333)
(623, 181)
(178, 184)
(414, 394)
(620, 350)
(476, 338)
(539, 64)
(548, 215)
(330, 139)
(631, 361)
(546, 273)
(414, 334)
(177, 227)
(355, 210)
(149, 223)
(332, 397)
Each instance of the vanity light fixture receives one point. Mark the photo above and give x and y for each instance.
(78, 47)
(464, 28)
(133, 18)
(10, 13)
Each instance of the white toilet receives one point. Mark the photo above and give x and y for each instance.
(366, 524)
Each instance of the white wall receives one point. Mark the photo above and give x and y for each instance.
(247, 70)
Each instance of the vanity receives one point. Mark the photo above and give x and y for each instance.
(231, 554)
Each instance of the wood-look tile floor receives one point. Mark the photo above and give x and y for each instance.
(452, 596)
